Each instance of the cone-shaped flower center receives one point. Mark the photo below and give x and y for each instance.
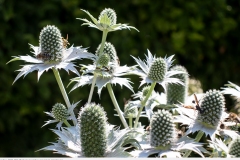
(111, 15)
(51, 44)
(234, 148)
(162, 129)
(93, 122)
(60, 112)
(212, 106)
(157, 70)
(103, 60)
(177, 93)
(110, 50)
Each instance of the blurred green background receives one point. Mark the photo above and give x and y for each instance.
(203, 35)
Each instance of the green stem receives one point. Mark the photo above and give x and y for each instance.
(197, 139)
(63, 91)
(130, 122)
(143, 103)
(67, 124)
(104, 37)
(110, 91)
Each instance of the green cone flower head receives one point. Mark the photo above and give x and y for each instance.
(110, 50)
(108, 16)
(157, 70)
(162, 131)
(130, 111)
(234, 147)
(93, 135)
(212, 105)
(178, 93)
(51, 44)
(103, 60)
(60, 112)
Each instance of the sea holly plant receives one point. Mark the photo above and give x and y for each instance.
(89, 134)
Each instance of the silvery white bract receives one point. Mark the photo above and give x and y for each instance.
(104, 23)
(59, 124)
(69, 55)
(181, 145)
(220, 149)
(145, 67)
(69, 143)
(232, 89)
(105, 76)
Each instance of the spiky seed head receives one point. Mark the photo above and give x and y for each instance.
(177, 93)
(93, 130)
(212, 105)
(110, 50)
(157, 70)
(60, 112)
(234, 147)
(130, 111)
(51, 44)
(162, 131)
(111, 15)
(103, 60)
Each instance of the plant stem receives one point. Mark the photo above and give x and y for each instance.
(110, 91)
(92, 87)
(197, 139)
(104, 37)
(130, 122)
(143, 103)
(63, 91)
(67, 124)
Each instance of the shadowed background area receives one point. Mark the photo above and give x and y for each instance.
(203, 36)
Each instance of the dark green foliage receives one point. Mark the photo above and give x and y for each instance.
(203, 35)
(93, 133)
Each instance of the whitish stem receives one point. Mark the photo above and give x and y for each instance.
(197, 139)
(110, 91)
(92, 87)
(104, 37)
(67, 124)
(63, 91)
(143, 103)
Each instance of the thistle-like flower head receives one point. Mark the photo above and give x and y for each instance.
(51, 53)
(60, 112)
(93, 135)
(107, 69)
(130, 110)
(207, 116)
(212, 105)
(156, 70)
(162, 131)
(234, 147)
(178, 93)
(107, 21)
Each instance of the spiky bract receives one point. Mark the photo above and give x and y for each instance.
(51, 44)
(93, 123)
(212, 106)
(162, 131)
(177, 93)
